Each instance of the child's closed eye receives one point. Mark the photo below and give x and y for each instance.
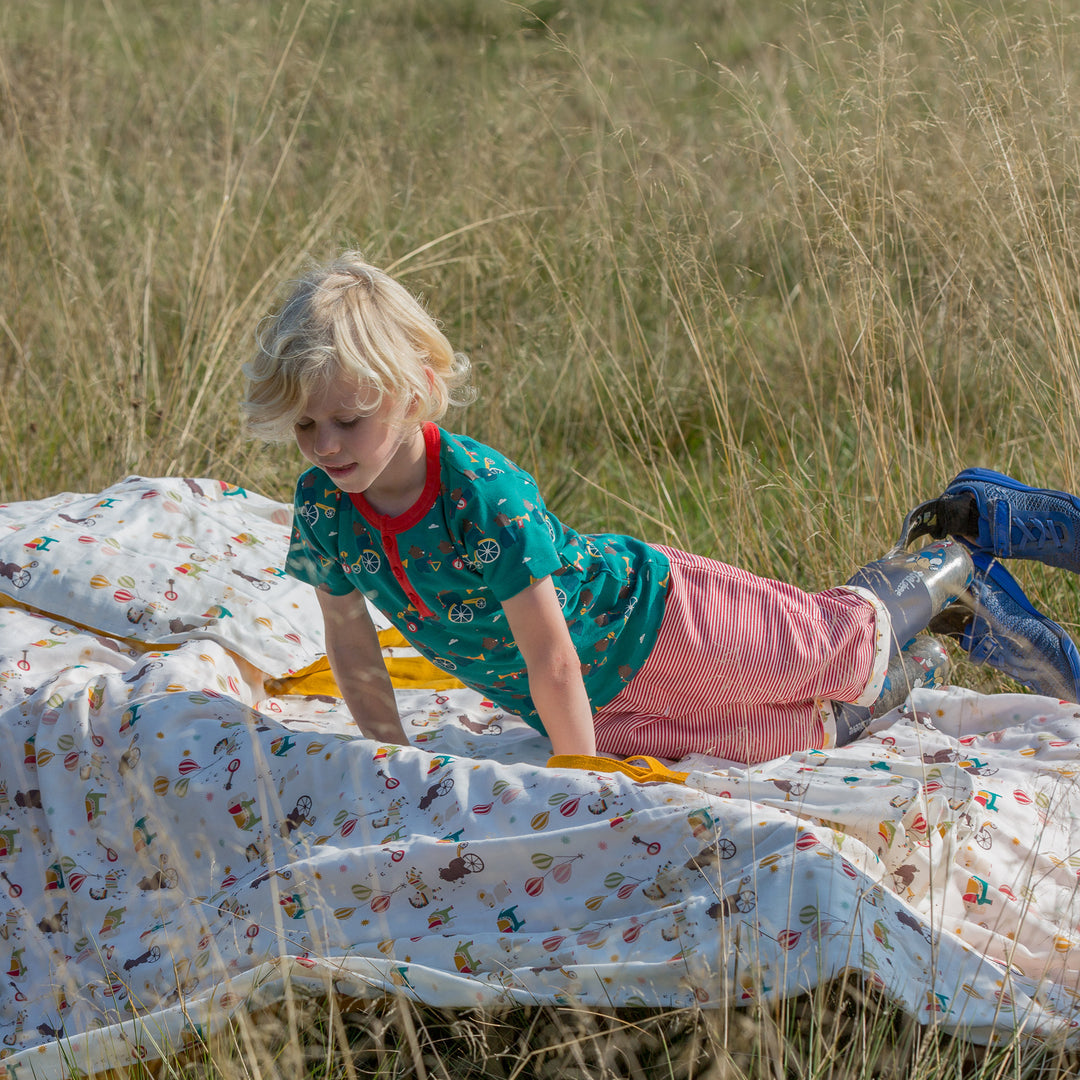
(344, 422)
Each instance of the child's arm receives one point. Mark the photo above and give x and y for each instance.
(539, 626)
(352, 647)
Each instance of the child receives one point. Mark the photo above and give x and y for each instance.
(603, 642)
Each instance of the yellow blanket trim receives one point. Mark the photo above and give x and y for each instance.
(406, 673)
(653, 771)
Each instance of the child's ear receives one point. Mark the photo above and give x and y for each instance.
(414, 404)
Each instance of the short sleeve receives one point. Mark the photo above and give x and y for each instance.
(312, 546)
(506, 531)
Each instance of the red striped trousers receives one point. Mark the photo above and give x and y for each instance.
(742, 666)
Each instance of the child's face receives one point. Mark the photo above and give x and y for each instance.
(360, 450)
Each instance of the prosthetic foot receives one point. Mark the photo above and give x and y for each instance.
(1002, 517)
(996, 624)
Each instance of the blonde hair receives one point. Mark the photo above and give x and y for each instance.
(348, 318)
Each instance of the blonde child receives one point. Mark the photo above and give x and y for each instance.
(603, 642)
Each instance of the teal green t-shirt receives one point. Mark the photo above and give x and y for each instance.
(477, 536)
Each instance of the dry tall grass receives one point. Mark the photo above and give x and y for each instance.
(748, 278)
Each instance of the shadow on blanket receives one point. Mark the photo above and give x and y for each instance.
(176, 839)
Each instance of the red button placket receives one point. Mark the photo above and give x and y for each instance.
(397, 568)
(390, 527)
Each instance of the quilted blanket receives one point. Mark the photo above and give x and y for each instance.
(184, 832)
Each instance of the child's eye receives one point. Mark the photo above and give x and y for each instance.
(302, 425)
(351, 422)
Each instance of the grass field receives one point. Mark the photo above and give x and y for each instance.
(747, 278)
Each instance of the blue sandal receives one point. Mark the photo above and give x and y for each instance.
(997, 625)
(1002, 517)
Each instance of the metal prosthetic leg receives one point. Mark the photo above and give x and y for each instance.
(913, 587)
(923, 662)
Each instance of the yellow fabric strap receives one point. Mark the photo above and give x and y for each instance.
(131, 643)
(653, 771)
(406, 673)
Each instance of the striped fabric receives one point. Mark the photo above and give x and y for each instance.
(741, 665)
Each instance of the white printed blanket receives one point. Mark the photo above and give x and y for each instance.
(174, 842)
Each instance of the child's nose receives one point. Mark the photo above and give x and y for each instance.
(325, 441)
